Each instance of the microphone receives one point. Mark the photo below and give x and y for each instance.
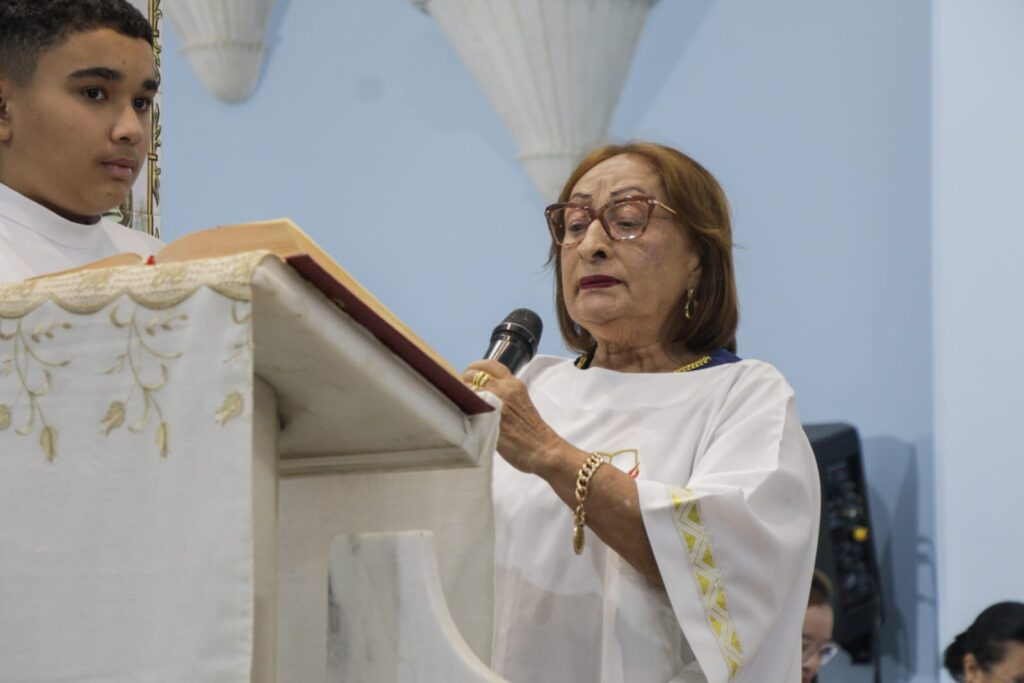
(514, 341)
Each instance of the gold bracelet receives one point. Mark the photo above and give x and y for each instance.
(580, 516)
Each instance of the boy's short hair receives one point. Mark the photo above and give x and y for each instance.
(28, 28)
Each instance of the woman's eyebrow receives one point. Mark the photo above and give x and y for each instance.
(626, 190)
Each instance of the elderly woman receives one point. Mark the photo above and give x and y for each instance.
(656, 502)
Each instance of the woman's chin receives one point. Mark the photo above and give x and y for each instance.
(593, 313)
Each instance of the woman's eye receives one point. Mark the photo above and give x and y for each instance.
(625, 226)
(142, 103)
(97, 94)
(577, 227)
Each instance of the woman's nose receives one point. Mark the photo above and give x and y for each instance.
(595, 241)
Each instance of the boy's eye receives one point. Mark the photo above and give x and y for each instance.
(142, 103)
(95, 93)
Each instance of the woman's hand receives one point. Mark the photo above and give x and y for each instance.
(525, 440)
(529, 444)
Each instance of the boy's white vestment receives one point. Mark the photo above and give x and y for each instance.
(35, 241)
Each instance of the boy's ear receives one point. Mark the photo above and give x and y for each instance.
(5, 115)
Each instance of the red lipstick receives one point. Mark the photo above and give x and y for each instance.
(598, 281)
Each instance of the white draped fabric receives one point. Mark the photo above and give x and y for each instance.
(35, 241)
(139, 505)
(126, 547)
(729, 496)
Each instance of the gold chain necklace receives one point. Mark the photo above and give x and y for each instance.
(699, 363)
(583, 362)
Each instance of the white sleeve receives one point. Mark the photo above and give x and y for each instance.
(735, 543)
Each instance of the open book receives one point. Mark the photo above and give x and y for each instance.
(285, 239)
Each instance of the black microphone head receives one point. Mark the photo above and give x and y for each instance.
(524, 323)
(514, 341)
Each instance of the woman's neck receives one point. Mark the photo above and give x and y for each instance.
(654, 357)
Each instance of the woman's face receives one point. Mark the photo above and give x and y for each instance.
(817, 632)
(1008, 670)
(624, 291)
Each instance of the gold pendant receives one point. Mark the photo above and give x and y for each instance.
(577, 538)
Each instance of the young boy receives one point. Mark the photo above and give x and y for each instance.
(77, 79)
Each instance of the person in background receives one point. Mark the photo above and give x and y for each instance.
(77, 80)
(656, 500)
(991, 650)
(817, 646)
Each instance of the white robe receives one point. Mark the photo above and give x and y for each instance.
(35, 240)
(729, 497)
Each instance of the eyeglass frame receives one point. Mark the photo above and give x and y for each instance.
(825, 652)
(598, 215)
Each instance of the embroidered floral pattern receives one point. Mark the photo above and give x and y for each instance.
(230, 409)
(142, 305)
(148, 369)
(23, 361)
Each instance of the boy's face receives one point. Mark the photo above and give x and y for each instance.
(75, 137)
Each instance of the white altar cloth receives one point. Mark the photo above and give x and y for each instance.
(126, 549)
(136, 532)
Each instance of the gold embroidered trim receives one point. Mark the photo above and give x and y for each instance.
(690, 524)
(609, 457)
(154, 287)
(158, 288)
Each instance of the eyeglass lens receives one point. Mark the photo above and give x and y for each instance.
(824, 651)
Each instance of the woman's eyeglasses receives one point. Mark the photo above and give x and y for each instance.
(625, 218)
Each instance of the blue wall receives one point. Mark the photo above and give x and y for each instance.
(370, 134)
(978, 242)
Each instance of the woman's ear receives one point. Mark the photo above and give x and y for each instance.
(972, 669)
(693, 280)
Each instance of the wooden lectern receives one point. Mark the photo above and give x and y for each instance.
(181, 445)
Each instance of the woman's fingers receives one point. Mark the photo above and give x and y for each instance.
(480, 373)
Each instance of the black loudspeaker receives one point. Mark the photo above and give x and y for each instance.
(846, 549)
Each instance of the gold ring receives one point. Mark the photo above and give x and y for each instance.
(479, 380)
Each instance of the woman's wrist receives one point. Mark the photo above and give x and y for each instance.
(559, 459)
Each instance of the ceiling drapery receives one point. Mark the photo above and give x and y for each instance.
(552, 69)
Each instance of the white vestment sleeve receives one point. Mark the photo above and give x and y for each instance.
(735, 538)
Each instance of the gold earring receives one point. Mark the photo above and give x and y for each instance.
(688, 309)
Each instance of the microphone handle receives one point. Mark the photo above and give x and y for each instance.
(512, 355)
